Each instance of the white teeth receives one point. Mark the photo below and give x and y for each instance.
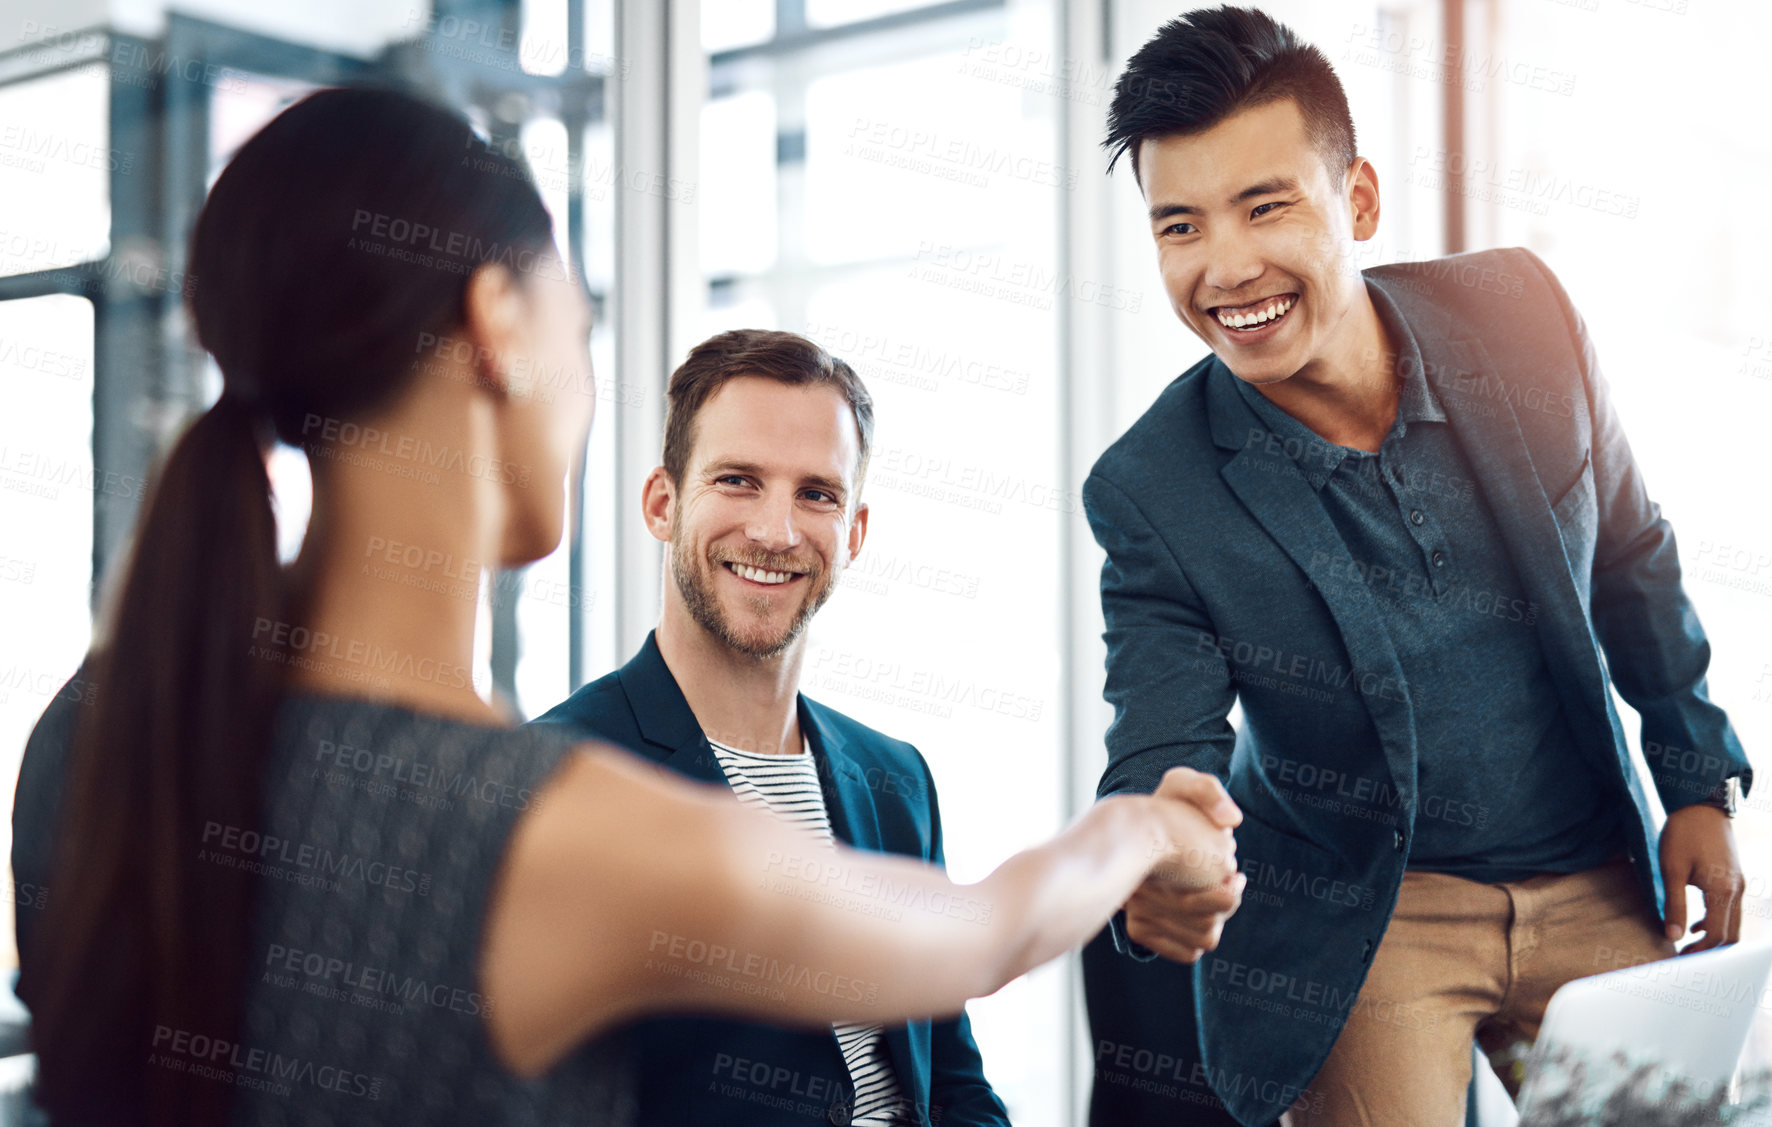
(1260, 317)
(758, 575)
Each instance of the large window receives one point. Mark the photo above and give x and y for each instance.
(47, 488)
(544, 610)
(870, 190)
(109, 142)
(56, 171)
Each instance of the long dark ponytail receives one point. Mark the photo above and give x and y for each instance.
(335, 242)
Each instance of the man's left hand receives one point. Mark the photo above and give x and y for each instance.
(1698, 849)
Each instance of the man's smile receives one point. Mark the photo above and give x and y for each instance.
(1257, 316)
(761, 576)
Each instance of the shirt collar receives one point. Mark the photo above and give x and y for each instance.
(1416, 403)
(1316, 458)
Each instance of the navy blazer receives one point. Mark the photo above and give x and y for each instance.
(708, 1072)
(1217, 589)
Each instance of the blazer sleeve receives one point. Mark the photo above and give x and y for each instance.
(1656, 650)
(1169, 684)
(958, 1092)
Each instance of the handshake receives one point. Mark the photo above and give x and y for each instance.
(1193, 885)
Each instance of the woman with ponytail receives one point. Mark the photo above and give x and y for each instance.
(304, 872)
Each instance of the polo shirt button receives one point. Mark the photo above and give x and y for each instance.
(1439, 559)
(1397, 839)
(839, 1114)
(1416, 517)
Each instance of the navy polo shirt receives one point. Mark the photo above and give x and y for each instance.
(1503, 790)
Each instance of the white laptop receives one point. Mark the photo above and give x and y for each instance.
(1688, 1016)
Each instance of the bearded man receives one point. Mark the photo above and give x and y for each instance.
(766, 443)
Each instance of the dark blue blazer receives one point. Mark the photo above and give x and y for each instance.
(709, 1072)
(1217, 589)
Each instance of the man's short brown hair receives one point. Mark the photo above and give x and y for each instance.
(784, 357)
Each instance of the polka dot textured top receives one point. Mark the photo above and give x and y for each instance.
(382, 835)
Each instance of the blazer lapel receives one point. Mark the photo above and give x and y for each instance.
(664, 717)
(911, 1069)
(855, 821)
(1473, 394)
(1283, 502)
(673, 735)
(849, 803)
(847, 798)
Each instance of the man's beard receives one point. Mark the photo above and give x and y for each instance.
(695, 582)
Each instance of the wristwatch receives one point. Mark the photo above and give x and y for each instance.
(1726, 797)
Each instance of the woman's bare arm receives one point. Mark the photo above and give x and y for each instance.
(628, 891)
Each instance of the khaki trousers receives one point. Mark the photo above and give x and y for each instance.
(1465, 960)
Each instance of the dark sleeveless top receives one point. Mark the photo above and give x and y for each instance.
(382, 835)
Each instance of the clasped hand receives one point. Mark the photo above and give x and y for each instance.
(1180, 909)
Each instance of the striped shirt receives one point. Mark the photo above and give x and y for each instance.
(787, 785)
